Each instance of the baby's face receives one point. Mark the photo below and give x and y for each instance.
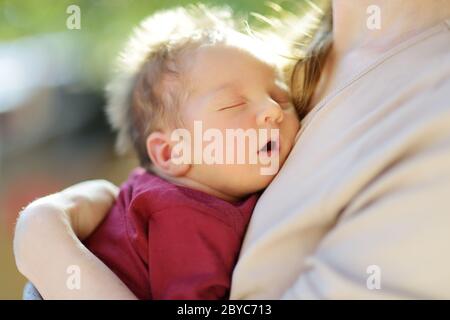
(231, 89)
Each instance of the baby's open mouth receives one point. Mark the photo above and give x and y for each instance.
(270, 147)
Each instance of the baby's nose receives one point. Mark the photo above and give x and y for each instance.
(271, 112)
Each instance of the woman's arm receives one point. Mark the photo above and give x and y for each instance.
(49, 253)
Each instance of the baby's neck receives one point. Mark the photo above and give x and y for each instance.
(196, 185)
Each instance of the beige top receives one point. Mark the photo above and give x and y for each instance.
(363, 201)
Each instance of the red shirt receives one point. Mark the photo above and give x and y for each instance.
(170, 242)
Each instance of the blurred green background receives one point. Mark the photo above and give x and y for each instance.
(52, 129)
(105, 24)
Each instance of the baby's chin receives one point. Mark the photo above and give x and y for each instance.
(257, 182)
(243, 180)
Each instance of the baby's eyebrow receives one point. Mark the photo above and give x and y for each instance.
(223, 87)
(210, 93)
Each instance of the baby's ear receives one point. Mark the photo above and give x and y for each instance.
(159, 149)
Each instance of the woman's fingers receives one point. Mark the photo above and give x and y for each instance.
(87, 204)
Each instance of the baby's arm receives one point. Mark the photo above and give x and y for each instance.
(49, 253)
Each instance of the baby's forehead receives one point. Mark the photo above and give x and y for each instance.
(247, 54)
(228, 59)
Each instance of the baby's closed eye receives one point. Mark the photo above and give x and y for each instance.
(232, 105)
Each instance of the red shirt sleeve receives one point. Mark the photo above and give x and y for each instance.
(191, 254)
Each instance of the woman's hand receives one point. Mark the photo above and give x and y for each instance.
(86, 204)
(47, 245)
(78, 210)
